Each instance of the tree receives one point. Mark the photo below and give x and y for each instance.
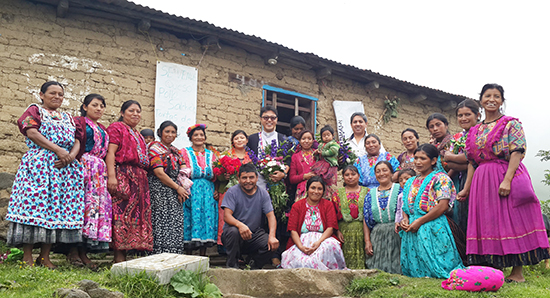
(545, 156)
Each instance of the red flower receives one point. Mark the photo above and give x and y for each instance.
(217, 171)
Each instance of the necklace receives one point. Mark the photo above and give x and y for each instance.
(493, 120)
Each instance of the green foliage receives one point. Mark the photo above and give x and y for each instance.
(194, 285)
(139, 285)
(545, 156)
(545, 207)
(383, 285)
(390, 106)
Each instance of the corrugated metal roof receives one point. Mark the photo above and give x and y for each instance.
(128, 5)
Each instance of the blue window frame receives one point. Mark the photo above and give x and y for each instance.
(289, 104)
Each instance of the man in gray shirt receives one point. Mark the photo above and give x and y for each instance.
(244, 205)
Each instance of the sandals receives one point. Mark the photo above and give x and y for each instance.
(76, 262)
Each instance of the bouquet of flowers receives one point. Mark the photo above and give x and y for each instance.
(227, 165)
(273, 159)
(346, 156)
(458, 143)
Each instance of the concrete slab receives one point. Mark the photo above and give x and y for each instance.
(162, 266)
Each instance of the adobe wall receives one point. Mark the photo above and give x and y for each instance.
(94, 55)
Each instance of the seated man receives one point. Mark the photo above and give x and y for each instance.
(244, 205)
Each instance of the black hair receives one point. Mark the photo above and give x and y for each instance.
(411, 130)
(195, 129)
(164, 125)
(126, 105)
(350, 168)
(470, 104)
(384, 162)
(46, 85)
(372, 136)
(429, 149)
(268, 108)
(358, 114)
(316, 179)
(248, 168)
(406, 171)
(236, 133)
(437, 116)
(327, 128)
(492, 86)
(304, 132)
(297, 120)
(146, 132)
(88, 99)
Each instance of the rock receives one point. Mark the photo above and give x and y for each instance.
(301, 282)
(162, 266)
(6, 180)
(70, 293)
(104, 293)
(86, 285)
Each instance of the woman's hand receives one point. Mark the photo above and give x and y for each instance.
(414, 226)
(308, 176)
(504, 188)
(277, 176)
(340, 236)
(463, 195)
(368, 248)
(112, 185)
(404, 224)
(182, 194)
(397, 227)
(64, 158)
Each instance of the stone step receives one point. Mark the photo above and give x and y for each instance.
(162, 266)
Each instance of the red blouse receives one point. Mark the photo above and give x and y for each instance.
(298, 213)
(127, 153)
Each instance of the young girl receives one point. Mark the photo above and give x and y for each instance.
(327, 163)
(402, 177)
(427, 245)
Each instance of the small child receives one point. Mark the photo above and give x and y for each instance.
(327, 164)
(402, 177)
(148, 135)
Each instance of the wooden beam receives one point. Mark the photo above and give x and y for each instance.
(144, 25)
(62, 8)
(372, 86)
(296, 106)
(288, 106)
(274, 99)
(418, 98)
(323, 73)
(449, 105)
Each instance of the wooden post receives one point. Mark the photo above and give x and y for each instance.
(418, 98)
(371, 86)
(449, 105)
(274, 100)
(312, 116)
(62, 8)
(296, 106)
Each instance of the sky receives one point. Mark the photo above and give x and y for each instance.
(454, 46)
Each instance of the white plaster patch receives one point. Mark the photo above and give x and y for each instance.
(69, 62)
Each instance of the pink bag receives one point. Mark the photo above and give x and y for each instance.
(474, 279)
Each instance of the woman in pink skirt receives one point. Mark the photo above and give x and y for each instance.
(505, 226)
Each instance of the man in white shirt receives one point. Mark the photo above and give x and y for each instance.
(359, 127)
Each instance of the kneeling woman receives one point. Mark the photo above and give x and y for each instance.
(427, 245)
(311, 225)
(382, 244)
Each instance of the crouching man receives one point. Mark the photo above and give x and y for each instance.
(244, 205)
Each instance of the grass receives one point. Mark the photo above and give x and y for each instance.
(392, 285)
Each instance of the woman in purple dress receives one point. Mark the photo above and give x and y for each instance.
(505, 225)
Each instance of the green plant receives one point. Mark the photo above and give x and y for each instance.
(139, 285)
(390, 110)
(195, 285)
(545, 156)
